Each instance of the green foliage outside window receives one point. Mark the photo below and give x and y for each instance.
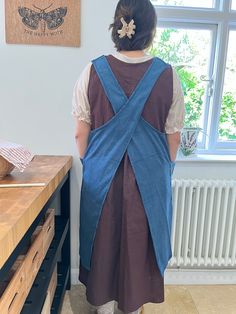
(180, 53)
(227, 128)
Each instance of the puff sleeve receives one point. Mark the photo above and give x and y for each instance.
(80, 102)
(176, 115)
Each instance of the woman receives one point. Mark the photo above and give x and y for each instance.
(129, 111)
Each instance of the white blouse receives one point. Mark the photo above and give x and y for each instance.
(81, 107)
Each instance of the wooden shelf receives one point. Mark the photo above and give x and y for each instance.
(62, 279)
(36, 297)
(26, 206)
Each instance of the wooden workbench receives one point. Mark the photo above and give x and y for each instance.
(22, 208)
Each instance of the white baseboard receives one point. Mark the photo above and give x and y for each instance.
(186, 276)
(200, 276)
(74, 276)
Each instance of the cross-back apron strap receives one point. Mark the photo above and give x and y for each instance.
(114, 91)
(110, 84)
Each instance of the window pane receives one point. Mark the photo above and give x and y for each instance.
(233, 4)
(188, 50)
(187, 3)
(227, 124)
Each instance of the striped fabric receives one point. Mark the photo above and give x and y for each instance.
(16, 154)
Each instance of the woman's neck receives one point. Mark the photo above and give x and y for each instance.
(133, 54)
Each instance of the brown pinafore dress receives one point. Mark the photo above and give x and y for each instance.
(123, 266)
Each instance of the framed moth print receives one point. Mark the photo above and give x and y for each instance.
(43, 22)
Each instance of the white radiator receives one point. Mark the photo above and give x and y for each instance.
(203, 224)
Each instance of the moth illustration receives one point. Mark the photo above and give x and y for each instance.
(33, 19)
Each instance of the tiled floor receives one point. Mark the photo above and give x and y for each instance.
(189, 299)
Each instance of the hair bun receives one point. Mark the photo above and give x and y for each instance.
(133, 17)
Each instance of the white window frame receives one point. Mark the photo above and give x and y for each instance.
(224, 19)
(213, 29)
(231, 4)
(216, 5)
(215, 142)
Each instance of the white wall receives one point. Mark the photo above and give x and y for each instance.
(36, 85)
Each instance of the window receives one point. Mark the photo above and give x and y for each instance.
(233, 4)
(189, 51)
(201, 44)
(227, 123)
(185, 3)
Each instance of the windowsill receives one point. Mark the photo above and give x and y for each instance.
(205, 158)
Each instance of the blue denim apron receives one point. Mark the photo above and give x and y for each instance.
(149, 155)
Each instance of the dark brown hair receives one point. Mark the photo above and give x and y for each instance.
(145, 19)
